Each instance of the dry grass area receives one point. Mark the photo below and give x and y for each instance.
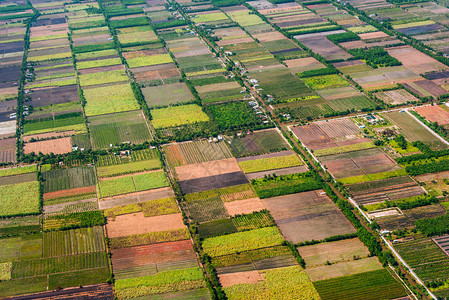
(344, 268)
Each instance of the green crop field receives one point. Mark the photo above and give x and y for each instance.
(75, 241)
(124, 127)
(18, 171)
(252, 221)
(234, 115)
(161, 283)
(372, 177)
(325, 82)
(98, 63)
(95, 54)
(261, 142)
(133, 167)
(226, 194)
(150, 208)
(426, 259)
(64, 179)
(102, 77)
(109, 99)
(133, 183)
(135, 156)
(206, 209)
(343, 149)
(285, 184)
(149, 238)
(20, 199)
(156, 59)
(177, 115)
(242, 241)
(370, 285)
(271, 163)
(281, 283)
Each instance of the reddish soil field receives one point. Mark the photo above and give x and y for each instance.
(269, 36)
(354, 45)
(71, 192)
(152, 254)
(57, 146)
(136, 223)
(434, 114)
(244, 206)
(210, 168)
(312, 136)
(250, 277)
(303, 64)
(415, 60)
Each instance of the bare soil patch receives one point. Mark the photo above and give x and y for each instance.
(307, 216)
(244, 206)
(434, 113)
(136, 223)
(372, 35)
(250, 277)
(57, 146)
(210, 168)
(48, 135)
(338, 251)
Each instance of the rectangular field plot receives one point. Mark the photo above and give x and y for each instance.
(64, 179)
(271, 161)
(396, 97)
(173, 281)
(373, 285)
(178, 115)
(75, 241)
(345, 250)
(137, 224)
(109, 99)
(344, 268)
(164, 95)
(132, 183)
(425, 257)
(127, 127)
(196, 152)
(281, 283)
(20, 199)
(362, 162)
(413, 130)
(434, 113)
(151, 259)
(307, 216)
(259, 142)
(212, 182)
(8, 150)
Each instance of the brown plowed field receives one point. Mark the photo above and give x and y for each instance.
(307, 216)
(434, 114)
(210, 168)
(431, 87)
(71, 192)
(57, 146)
(244, 206)
(48, 135)
(152, 254)
(372, 35)
(136, 223)
(359, 163)
(8, 150)
(416, 61)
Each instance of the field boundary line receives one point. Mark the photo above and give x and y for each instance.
(427, 128)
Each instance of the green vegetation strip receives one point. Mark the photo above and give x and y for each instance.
(344, 149)
(271, 163)
(372, 177)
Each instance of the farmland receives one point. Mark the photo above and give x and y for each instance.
(223, 149)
